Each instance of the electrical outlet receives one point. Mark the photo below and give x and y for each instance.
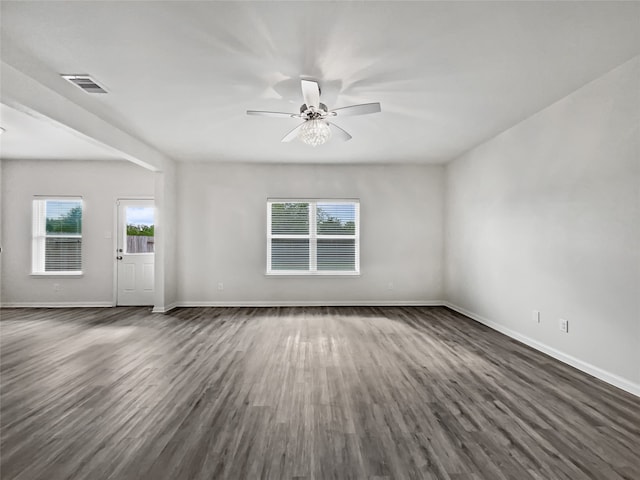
(56, 287)
(535, 315)
(390, 286)
(220, 286)
(564, 325)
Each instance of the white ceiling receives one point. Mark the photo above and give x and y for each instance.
(449, 75)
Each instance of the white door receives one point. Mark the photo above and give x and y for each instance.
(135, 255)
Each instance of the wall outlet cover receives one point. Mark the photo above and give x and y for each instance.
(564, 325)
(535, 315)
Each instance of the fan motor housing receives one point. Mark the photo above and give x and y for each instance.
(313, 113)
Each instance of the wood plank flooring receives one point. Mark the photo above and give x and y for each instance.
(283, 393)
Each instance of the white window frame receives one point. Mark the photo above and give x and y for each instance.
(313, 238)
(40, 236)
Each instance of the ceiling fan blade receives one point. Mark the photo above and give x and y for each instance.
(272, 114)
(339, 133)
(310, 93)
(361, 109)
(293, 134)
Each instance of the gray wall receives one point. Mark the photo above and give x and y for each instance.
(222, 225)
(546, 217)
(99, 183)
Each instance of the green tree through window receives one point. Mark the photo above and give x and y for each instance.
(290, 218)
(140, 230)
(71, 222)
(333, 225)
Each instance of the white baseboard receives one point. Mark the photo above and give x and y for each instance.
(56, 305)
(259, 303)
(313, 303)
(165, 309)
(612, 379)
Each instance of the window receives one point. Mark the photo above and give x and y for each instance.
(140, 230)
(313, 237)
(57, 236)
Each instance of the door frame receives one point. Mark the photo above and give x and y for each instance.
(114, 236)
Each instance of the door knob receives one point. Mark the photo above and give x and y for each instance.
(119, 257)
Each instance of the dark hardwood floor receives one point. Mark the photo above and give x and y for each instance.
(208, 393)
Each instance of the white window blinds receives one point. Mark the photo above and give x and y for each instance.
(57, 235)
(313, 237)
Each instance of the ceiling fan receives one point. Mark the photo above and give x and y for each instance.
(316, 128)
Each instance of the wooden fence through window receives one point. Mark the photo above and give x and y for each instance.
(140, 244)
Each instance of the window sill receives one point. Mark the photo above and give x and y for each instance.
(57, 274)
(312, 274)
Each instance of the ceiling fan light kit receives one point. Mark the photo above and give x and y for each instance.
(314, 132)
(316, 128)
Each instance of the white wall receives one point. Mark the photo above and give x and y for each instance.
(99, 183)
(166, 239)
(546, 216)
(222, 225)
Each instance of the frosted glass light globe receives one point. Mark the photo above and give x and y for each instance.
(314, 132)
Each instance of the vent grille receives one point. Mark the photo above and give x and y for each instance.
(85, 82)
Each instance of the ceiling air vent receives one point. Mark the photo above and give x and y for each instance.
(85, 82)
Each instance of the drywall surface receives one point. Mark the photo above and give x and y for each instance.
(166, 238)
(100, 183)
(546, 216)
(222, 233)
